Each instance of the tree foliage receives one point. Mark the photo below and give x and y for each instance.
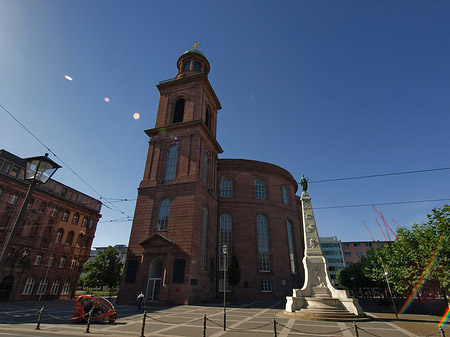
(419, 257)
(104, 270)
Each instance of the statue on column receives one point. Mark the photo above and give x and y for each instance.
(304, 183)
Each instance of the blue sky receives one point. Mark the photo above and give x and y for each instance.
(328, 89)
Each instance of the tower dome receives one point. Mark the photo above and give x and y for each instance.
(192, 62)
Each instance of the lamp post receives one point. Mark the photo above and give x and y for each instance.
(225, 252)
(390, 292)
(38, 171)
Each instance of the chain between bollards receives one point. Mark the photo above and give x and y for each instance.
(143, 324)
(204, 325)
(89, 321)
(274, 327)
(356, 329)
(41, 312)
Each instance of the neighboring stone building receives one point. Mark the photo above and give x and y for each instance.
(54, 240)
(190, 203)
(354, 250)
(332, 251)
(121, 248)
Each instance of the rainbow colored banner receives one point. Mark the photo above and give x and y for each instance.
(423, 277)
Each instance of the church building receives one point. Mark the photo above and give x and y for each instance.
(191, 203)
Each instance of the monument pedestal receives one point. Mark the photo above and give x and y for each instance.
(319, 299)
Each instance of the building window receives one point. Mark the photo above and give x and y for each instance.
(73, 263)
(54, 212)
(59, 235)
(347, 253)
(14, 171)
(66, 288)
(42, 207)
(368, 244)
(204, 238)
(69, 239)
(42, 287)
(79, 240)
(197, 66)
(62, 262)
(263, 244)
(225, 238)
(285, 195)
(221, 285)
(178, 113)
(359, 254)
(163, 215)
(34, 230)
(6, 167)
(292, 258)
(357, 244)
(51, 260)
(30, 204)
(91, 223)
(14, 198)
(29, 285)
(171, 164)
(205, 169)
(266, 286)
(260, 189)
(65, 216)
(85, 222)
(208, 118)
(226, 190)
(38, 259)
(178, 271)
(346, 245)
(187, 65)
(55, 287)
(75, 218)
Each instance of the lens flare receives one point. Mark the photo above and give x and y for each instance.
(67, 77)
(107, 100)
(136, 115)
(423, 277)
(445, 318)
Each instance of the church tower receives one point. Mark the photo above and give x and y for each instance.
(172, 248)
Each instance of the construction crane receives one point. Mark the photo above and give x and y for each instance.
(381, 229)
(373, 239)
(385, 224)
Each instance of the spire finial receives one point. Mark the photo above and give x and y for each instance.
(195, 45)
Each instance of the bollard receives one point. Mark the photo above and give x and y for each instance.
(274, 327)
(204, 325)
(89, 321)
(356, 328)
(41, 312)
(143, 324)
(442, 332)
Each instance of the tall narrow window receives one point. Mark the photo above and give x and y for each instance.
(14, 198)
(42, 287)
(225, 238)
(205, 169)
(291, 247)
(178, 271)
(76, 218)
(163, 215)
(66, 288)
(65, 216)
(29, 285)
(204, 238)
(208, 118)
(260, 189)
(55, 287)
(59, 235)
(171, 163)
(178, 113)
(226, 188)
(187, 65)
(285, 195)
(263, 244)
(197, 66)
(69, 238)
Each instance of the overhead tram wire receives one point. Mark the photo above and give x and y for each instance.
(381, 204)
(64, 163)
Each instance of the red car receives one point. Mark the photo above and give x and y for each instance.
(102, 309)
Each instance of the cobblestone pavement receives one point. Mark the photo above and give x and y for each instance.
(250, 319)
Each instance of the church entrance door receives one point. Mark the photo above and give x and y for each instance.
(154, 280)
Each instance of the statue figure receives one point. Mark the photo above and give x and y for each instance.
(304, 183)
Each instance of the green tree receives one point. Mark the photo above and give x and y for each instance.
(104, 270)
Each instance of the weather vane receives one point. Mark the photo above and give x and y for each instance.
(195, 45)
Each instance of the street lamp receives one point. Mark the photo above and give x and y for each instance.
(390, 292)
(38, 171)
(225, 252)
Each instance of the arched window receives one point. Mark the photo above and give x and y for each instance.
(260, 189)
(55, 287)
(163, 215)
(178, 113)
(42, 207)
(66, 288)
(69, 238)
(42, 287)
(197, 66)
(204, 238)
(263, 244)
(226, 188)
(187, 65)
(75, 218)
(208, 118)
(285, 195)
(54, 212)
(73, 263)
(29, 285)
(291, 247)
(205, 169)
(171, 163)
(14, 198)
(225, 238)
(59, 235)
(65, 216)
